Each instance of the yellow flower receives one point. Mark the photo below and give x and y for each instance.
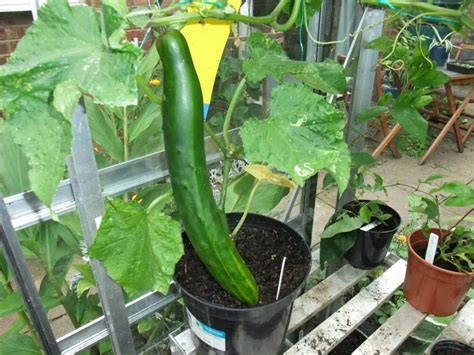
(154, 82)
(402, 239)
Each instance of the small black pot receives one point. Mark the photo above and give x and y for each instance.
(246, 331)
(439, 55)
(451, 347)
(371, 247)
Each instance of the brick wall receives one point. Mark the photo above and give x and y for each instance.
(12, 27)
(14, 24)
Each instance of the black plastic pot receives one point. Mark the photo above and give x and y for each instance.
(246, 331)
(371, 247)
(451, 347)
(461, 68)
(439, 55)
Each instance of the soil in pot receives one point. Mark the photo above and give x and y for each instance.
(371, 246)
(263, 251)
(223, 325)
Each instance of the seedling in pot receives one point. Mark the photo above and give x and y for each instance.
(456, 247)
(440, 288)
(359, 219)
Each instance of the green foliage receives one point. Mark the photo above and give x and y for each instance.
(266, 197)
(389, 308)
(13, 164)
(67, 51)
(341, 232)
(419, 76)
(405, 112)
(20, 344)
(412, 147)
(145, 243)
(103, 130)
(11, 303)
(87, 278)
(268, 58)
(311, 130)
(458, 246)
(229, 73)
(370, 113)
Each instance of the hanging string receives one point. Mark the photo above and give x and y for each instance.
(302, 20)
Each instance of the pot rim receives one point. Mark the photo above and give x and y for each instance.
(280, 301)
(395, 215)
(423, 261)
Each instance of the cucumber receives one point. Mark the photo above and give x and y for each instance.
(183, 129)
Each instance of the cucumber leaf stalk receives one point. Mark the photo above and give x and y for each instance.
(183, 129)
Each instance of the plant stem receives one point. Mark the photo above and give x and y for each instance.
(218, 15)
(246, 211)
(228, 116)
(225, 181)
(225, 131)
(420, 6)
(61, 295)
(158, 327)
(159, 199)
(216, 139)
(125, 142)
(125, 134)
(462, 218)
(295, 10)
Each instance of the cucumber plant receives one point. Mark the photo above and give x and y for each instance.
(49, 73)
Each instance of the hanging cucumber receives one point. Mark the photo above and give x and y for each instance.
(183, 128)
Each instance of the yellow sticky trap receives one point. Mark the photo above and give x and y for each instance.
(206, 41)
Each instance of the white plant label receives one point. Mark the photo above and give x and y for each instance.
(431, 250)
(281, 278)
(98, 221)
(211, 336)
(369, 227)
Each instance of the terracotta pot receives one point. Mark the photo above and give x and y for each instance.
(429, 288)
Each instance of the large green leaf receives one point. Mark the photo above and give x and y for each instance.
(13, 164)
(103, 130)
(370, 112)
(266, 197)
(19, 344)
(343, 224)
(113, 12)
(268, 58)
(148, 113)
(84, 308)
(139, 248)
(10, 304)
(45, 138)
(65, 44)
(430, 78)
(48, 286)
(87, 278)
(404, 111)
(462, 195)
(334, 248)
(303, 135)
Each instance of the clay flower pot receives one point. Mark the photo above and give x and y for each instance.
(429, 288)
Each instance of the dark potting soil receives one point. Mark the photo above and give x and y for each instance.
(263, 251)
(439, 263)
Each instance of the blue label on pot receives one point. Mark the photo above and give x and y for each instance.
(212, 337)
